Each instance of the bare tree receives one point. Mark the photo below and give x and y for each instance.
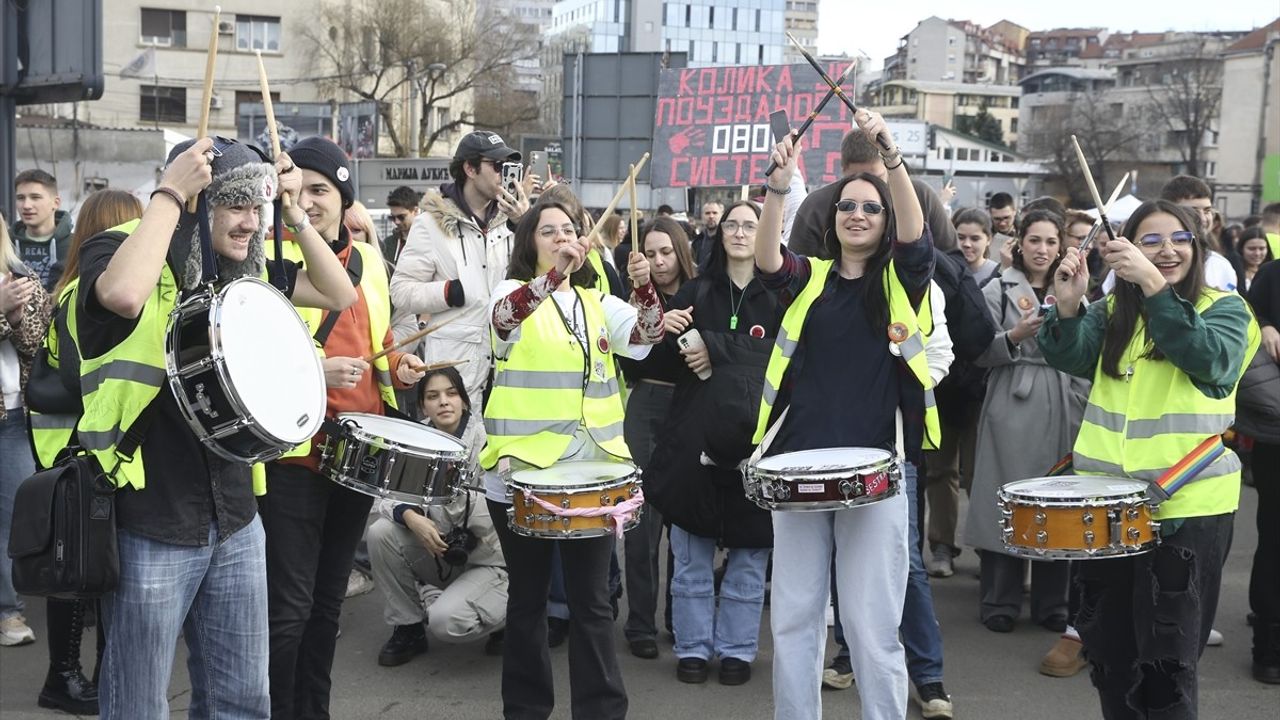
(1107, 131)
(1186, 96)
(434, 50)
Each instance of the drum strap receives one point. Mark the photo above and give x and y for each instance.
(208, 262)
(355, 271)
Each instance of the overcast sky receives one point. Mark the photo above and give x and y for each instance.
(853, 25)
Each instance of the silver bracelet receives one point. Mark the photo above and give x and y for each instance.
(296, 229)
(776, 191)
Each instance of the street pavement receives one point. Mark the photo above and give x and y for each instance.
(988, 675)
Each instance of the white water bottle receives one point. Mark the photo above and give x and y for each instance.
(692, 340)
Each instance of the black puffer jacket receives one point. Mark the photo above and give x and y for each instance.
(716, 417)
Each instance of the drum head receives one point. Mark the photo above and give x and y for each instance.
(1074, 487)
(825, 460)
(402, 432)
(573, 474)
(271, 360)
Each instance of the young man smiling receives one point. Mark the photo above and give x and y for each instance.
(313, 524)
(190, 542)
(42, 232)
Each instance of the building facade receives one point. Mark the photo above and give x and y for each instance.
(1249, 142)
(801, 20)
(939, 50)
(946, 103)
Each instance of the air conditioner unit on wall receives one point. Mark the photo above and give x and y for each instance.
(226, 27)
(215, 102)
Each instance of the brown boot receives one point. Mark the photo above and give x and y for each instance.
(1064, 659)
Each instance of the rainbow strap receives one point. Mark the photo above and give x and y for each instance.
(1187, 468)
(1062, 467)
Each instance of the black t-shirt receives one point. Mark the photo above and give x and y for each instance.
(187, 486)
(850, 398)
(40, 256)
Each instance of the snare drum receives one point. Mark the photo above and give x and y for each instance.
(244, 370)
(827, 479)
(590, 492)
(1076, 517)
(392, 458)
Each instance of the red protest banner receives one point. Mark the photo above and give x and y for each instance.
(711, 128)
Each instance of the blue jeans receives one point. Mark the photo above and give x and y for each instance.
(16, 465)
(216, 596)
(702, 630)
(921, 636)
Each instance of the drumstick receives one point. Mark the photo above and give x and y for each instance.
(635, 209)
(1093, 189)
(1097, 225)
(270, 112)
(613, 204)
(411, 339)
(823, 74)
(444, 364)
(203, 127)
(795, 137)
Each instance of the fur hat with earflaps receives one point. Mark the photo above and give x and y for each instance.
(241, 176)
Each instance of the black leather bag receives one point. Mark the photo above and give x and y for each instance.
(63, 538)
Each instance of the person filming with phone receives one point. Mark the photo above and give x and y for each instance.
(457, 251)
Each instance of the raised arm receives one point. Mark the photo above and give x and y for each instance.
(908, 217)
(123, 288)
(322, 283)
(649, 328)
(786, 155)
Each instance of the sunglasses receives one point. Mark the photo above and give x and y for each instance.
(1151, 241)
(868, 207)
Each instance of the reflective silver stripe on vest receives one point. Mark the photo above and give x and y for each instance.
(912, 346)
(1224, 465)
(770, 393)
(100, 439)
(1190, 423)
(607, 433)
(384, 377)
(515, 428)
(540, 379)
(1194, 423)
(1112, 421)
(130, 370)
(785, 344)
(929, 401)
(42, 421)
(599, 390)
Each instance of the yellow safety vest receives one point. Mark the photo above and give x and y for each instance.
(51, 432)
(1140, 426)
(549, 385)
(597, 264)
(377, 295)
(119, 384)
(917, 322)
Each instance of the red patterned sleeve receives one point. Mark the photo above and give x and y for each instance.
(511, 310)
(648, 329)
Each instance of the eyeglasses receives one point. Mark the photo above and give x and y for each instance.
(868, 207)
(548, 232)
(1153, 241)
(731, 227)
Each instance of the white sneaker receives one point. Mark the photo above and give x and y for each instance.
(13, 631)
(941, 565)
(358, 584)
(1215, 638)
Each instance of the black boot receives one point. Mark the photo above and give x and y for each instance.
(65, 687)
(1266, 651)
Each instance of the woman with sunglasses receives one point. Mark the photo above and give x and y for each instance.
(848, 370)
(1029, 418)
(694, 476)
(555, 399)
(1165, 353)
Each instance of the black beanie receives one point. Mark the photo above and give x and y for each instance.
(325, 157)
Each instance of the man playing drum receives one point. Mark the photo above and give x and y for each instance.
(312, 524)
(190, 543)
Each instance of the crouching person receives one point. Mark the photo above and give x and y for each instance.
(450, 551)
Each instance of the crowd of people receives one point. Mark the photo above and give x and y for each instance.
(557, 340)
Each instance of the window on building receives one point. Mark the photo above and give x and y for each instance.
(166, 28)
(711, 16)
(688, 16)
(715, 51)
(252, 96)
(760, 56)
(160, 103)
(257, 32)
(1013, 126)
(962, 153)
(758, 30)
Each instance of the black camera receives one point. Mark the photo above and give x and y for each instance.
(460, 541)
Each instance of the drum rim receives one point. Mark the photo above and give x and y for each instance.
(567, 534)
(1107, 551)
(825, 505)
(362, 436)
(889, 458)
(884, 466)
(632, 476)
(396, 495)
